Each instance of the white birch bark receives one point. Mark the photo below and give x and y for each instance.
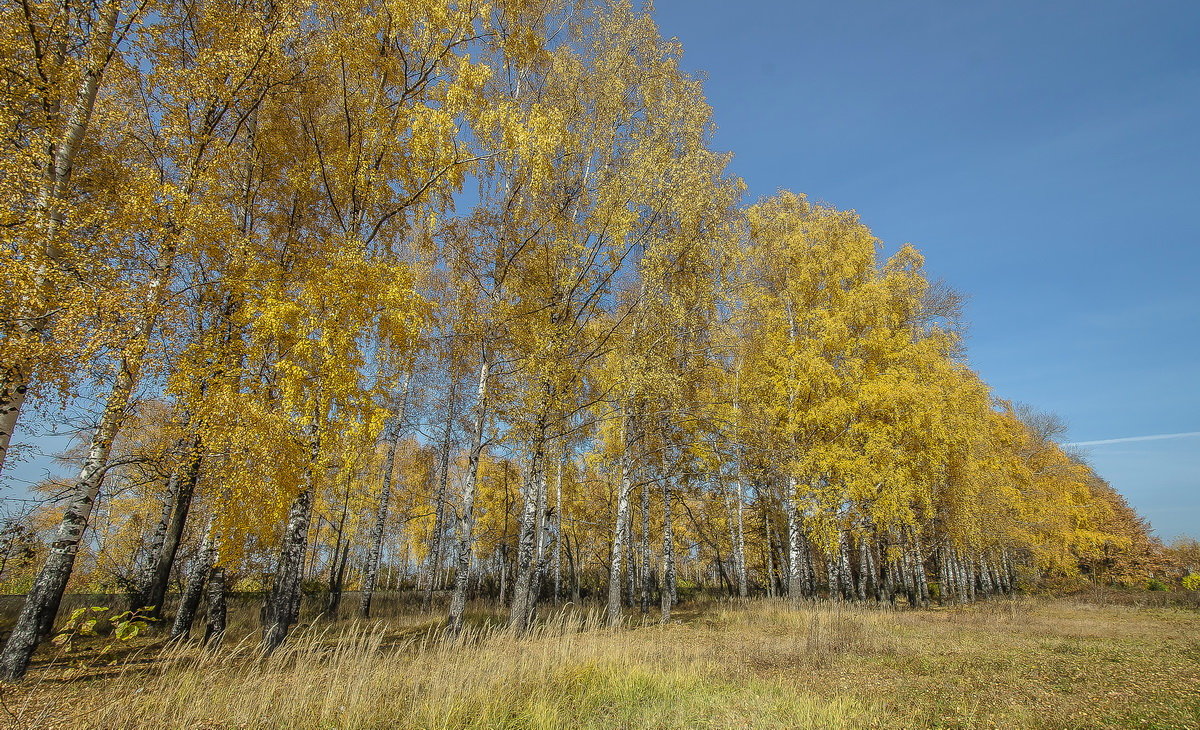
(668, 554)
(282, 606)
(520, 609)
(437, 538)
(644, 551)
(214, 629)
(15, 381)
(615, 573)
(558, 518)
(739, 544)
(184, 481)
(189, 602)
(792, 514)
(41, 604)
(466, 521)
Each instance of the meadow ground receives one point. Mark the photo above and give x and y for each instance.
(1006, 663)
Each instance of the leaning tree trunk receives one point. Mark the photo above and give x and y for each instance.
(189, 602)
(282, 606)
(184, 486)
(466, 520)
(148, 557)
(41, 604)
(15, 380)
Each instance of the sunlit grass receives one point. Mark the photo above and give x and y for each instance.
(1003, 663)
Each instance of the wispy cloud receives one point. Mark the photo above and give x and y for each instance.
(1127, 439)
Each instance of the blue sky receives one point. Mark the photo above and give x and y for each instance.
(1045, 156)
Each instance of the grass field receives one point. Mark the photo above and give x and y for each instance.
(1022, 662)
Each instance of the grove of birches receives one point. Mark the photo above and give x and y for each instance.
(451, 299)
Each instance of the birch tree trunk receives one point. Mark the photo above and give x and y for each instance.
(833, 578)
(792, 513)
(985, 577)
(739, 543)
(887, 574)
(922, 582)
(573, 564)
(523, 581)
(148, 558)
(466, 521)
(865, 577)
(770, 539)
(439, 521)
(337, 575)
(644, 551)
(189, 602)
(968, 575)
(668, 554)
(876, 568)
(185, 479)
(541, 556)
(943, 556)
(615, 574)
(41, 604)
(15, 380)
(558, 518)
(214, 629)
(282, 607)
(845, 576)
(375, 539)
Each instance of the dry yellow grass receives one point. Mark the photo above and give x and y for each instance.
(1050, 663)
